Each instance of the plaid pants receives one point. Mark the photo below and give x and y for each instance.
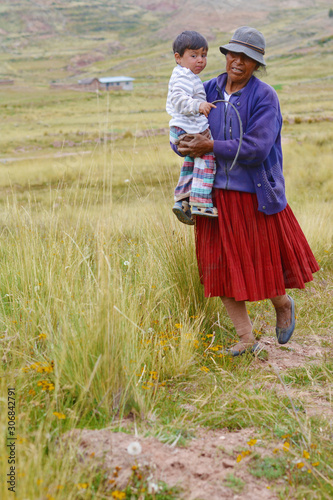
(196, 176)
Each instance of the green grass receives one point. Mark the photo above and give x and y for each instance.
(269, 468)
(234, 483)
(104, 319)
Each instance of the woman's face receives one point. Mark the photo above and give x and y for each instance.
(240, 68)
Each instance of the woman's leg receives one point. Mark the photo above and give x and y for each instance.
(282, 306)
(238, 314)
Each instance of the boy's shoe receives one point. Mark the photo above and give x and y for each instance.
(206, 211)
(182, 211)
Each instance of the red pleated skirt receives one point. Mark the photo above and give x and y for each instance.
(248, 255)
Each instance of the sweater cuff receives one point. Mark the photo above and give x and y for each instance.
(196, 106)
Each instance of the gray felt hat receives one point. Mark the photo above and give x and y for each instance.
(249, 41)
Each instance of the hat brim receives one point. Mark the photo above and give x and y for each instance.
(233, 47)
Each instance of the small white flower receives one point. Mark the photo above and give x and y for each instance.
(150, 330)
(126, 180)
(152, 487)
(126, 263)
(134, 448)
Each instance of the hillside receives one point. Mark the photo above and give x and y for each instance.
(57, 40)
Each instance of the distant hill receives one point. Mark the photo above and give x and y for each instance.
(58, 39)
(31, 19)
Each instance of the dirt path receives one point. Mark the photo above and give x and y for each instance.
(207, 468)
(202, 468)
(295, 354)
(56, 155)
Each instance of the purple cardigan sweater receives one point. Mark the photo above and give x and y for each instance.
(259, 165)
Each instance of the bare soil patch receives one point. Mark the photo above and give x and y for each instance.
(200, 469)
(315, 398)
(294, 354)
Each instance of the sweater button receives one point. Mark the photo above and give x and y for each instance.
(264, 208)
(238, 104)
(259, 185)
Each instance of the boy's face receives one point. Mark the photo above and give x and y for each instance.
(195, 60)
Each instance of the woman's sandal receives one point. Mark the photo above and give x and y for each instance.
(254, 349)
(206, 211)
(182, 211)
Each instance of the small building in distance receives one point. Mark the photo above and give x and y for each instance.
(116, 82)
(89, 84)
(107, 83)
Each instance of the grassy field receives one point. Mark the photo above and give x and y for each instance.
(103, 319)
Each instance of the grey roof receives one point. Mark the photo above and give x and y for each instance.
(87, 81)
(115, 79)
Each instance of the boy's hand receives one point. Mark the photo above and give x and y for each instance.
(205, 108)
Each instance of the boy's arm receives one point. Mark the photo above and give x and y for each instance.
(181, 98)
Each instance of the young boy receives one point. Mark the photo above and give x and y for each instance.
(186, 103)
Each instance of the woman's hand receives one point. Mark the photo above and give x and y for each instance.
(195, 145)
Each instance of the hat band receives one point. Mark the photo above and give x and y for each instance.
(254, 47)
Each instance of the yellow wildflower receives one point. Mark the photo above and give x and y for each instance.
(252, 442)
(82, 486)
(306, 454)
(119, 495)
(59, 415)
(242, 455)
(42, 336)
(48, 368)
(46, 385)
(178, 325)
(300, 465)
(286, 446)
(204, 369)
(315, 464)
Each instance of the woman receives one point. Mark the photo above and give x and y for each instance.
(256, 249)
